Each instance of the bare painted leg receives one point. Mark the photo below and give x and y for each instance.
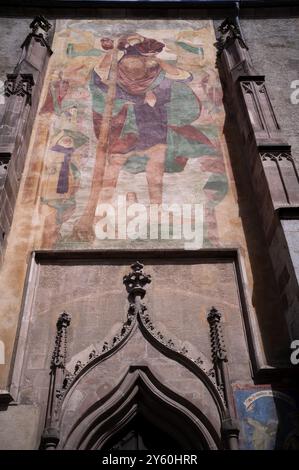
(155, 172)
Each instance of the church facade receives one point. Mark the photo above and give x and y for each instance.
(149, 226)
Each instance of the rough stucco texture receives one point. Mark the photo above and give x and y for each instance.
(274, 48)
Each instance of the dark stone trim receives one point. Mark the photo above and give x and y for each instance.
(268, 157)
(22, 92)
(251, 78)
(274, 148)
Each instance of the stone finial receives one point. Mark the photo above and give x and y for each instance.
(230, 31)
(39, 32)
(63, 321)
(214, 315)
(40, 25)
(136, 281)
(59, 353)
(217, 340)
(229, 26)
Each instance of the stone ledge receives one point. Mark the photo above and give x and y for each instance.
(5, 397)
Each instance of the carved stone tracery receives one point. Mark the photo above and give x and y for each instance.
(60, 349)
(212, 374)
(217, 340)
(278, 155)
(19, 85)
(137, 313)
(50, 436)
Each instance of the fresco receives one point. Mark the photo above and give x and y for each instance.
(135, 115)
(269, 419)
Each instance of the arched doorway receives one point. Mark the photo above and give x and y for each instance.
(140, 434)
(141, 413)
(141, 390)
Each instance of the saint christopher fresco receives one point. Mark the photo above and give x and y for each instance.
(138, 116)
(143, 110)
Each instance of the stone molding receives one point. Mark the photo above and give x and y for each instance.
(22, 91)
(269, 160)
(215, 378)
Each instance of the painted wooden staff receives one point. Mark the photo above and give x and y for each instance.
(83, 228)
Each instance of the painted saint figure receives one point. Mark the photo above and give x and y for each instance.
(62, 182)
(143, 107)
(67, 149)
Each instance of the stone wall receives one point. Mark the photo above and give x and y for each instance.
(274, 47)
(265, 54)
(22, 92)
(13, 33)
(53, 195)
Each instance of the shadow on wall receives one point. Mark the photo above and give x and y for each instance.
(287, 410)
(265, 298)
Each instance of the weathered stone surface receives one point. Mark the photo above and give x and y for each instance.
(12, 32)
(178, 300)
(182, 292)
(23, 434)
(274, 49)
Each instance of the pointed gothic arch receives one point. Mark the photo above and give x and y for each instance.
(116, 385)
(141, 394)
